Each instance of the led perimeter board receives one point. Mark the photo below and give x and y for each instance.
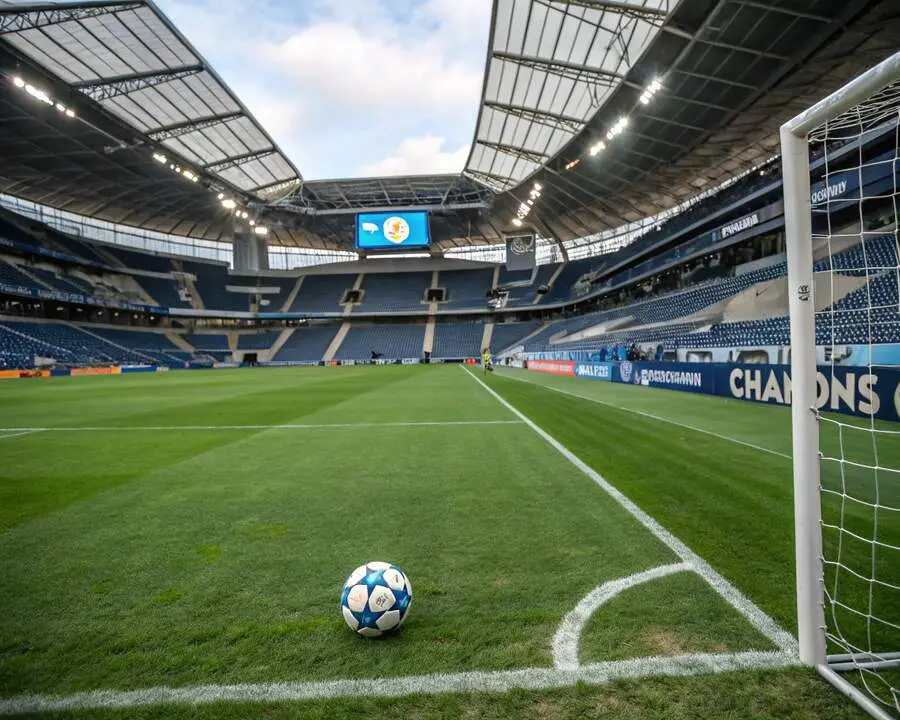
(392, 231)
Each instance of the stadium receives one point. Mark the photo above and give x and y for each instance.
(621, 397)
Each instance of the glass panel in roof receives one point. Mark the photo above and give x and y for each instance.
(24, 41)
(126, 108)
(279, 167)
(553, 22)
(212, 93)
(506, 89)
(534, 30)
(183, 99)
(581, 103)
(247, 177)
(248, 134)
(157, 37)
(218, 142)
(157, 105)
(196, 148)
(518, 25)
(117, 45)
(183, 56)
(76, 39)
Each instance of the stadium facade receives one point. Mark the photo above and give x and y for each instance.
(646, 179)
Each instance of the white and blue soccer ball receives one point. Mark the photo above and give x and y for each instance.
(376, 599)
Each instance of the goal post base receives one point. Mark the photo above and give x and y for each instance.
(858, 696)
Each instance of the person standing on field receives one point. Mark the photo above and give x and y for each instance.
(486, 363)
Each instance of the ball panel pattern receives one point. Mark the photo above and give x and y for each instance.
(376, 598)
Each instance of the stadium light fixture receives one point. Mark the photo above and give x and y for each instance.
(60, 107)
(221, 196)
(517, 222)
(229, 204)
(573, 163)
(38, 94)
(261, 230)
(618, 128)
(651, 90)
(160, 158)
(18, 82)
(597, 148)
(538, 187)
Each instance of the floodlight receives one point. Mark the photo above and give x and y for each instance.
(18, 82)
(229, 204)
(517, 222)
(260, 230)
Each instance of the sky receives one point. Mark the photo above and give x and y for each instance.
(351, 88)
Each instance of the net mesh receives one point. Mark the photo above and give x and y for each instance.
(857, 274)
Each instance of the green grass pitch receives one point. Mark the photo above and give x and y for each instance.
(193, 529)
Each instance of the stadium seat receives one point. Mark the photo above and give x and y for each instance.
(392, 341)
(457, 340)
(307, 344)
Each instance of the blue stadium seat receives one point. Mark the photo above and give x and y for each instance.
(322, 293)
(258, 341)
(307, 344)
(211, 281)
(392, 341)
(466, 288)
(457, 340)
(386, 292)
(507, 334)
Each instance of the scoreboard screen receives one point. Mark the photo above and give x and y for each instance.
(392, 230)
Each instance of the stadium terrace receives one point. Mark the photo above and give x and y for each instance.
(648, 340)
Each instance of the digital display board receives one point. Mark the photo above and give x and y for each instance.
(392, 230)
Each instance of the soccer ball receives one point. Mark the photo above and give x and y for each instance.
(376, 598)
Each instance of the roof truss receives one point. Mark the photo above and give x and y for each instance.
(108, 88)
(167, 132)
(17, 18)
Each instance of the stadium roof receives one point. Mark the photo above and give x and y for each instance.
(560, 77)
(129, 58)
(550, 66)
(694, 94)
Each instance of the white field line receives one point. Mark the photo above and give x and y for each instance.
(565, 642)
(326, 426)
(647, 415)
(17, 432)
(759, 619)
(500, 681)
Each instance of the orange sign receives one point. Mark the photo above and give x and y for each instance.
(97, 371)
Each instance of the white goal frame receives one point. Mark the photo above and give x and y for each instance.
(799, 246)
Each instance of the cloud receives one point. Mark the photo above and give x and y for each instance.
(419, 156)
(339, 83)
(347, 69)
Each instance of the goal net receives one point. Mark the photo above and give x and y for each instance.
(843, 271)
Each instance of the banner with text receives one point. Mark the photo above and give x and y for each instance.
(844, 389)
(554, 367)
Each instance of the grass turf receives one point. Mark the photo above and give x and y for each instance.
(135, 558)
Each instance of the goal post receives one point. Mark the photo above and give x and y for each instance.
(865, 103)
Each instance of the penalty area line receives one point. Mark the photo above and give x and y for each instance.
(734, 597)
(324, 426)
(493, 682)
